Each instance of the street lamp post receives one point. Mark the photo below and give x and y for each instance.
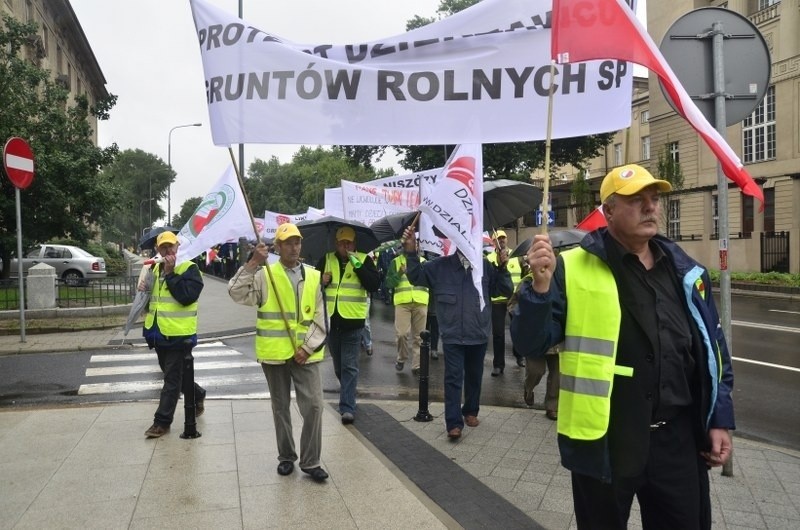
(141, 226)
(169, 163)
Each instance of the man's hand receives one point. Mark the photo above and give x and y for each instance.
(300, 356)
(326, 278)
(542, 262)
(409, 240)
(169, 264)
(402, 270)
(502, 258)
(259, 257)
(721, 447)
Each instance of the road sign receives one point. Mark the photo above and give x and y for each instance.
(551, 217)
(18, 161)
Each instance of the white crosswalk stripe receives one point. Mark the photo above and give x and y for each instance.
(213, 363)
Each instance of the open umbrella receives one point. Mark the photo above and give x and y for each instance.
(505, 201)
(558, 238)
(392, 226)
(319, 236)
(148, 241)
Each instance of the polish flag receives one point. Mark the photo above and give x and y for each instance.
(211, 255)
(585, 30)
(594, 220)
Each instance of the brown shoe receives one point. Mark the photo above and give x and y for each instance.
(454, 433)
(551, 415)
(472, 421)
(156, 431)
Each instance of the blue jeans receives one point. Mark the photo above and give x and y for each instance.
(345, 350)
(463, 363)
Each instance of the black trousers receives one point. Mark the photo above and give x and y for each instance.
(499, 312)
(672, 490)
(171, 362)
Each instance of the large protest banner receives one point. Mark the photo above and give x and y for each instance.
(272, 220)
(479, 76)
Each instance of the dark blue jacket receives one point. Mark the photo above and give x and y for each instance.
(539, 322)
(458, 311)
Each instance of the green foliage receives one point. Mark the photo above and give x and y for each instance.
(582, 196)
(669, 169)
(187, 209)
(293, 187)
(67, 196)
(769, 278)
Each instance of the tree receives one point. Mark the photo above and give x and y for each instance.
(293, 187)
(508, 160)
(68, 196)
(582, 196)
(189, 206)
(140, 180)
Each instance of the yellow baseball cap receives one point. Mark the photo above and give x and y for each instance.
(345, 233)
(287, 230)
(499, 233)
(166, 238)
(629, 180)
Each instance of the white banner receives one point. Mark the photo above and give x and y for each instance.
(272, 220)
(221, 216)
(455, 205)
(333, 202)
(366, 203)
(479, 76)
(314, 213)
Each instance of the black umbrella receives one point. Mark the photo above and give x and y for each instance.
(392, 226)
(319, 236)
(148, 241)
(505, 201)
(558, 238)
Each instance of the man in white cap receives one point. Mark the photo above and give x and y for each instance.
(645, 404)
(171, 327)
(290, 340)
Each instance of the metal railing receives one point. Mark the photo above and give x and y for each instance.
(94, 293)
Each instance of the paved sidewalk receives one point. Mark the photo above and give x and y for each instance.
(91, 467)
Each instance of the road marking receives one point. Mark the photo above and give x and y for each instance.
(784, 311)
(130, 387)
(769, 365)
(155, 369)
(770, 327)
(126, 357)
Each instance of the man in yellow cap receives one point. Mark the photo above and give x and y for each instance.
(645, 403)
(171, 327)
(290, 340)
(348, 277)
(500, 306)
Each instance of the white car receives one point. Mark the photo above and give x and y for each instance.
(72, 264)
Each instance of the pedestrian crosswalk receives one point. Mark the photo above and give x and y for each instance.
(223, 371)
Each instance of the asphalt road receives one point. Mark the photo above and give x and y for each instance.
(766, 364)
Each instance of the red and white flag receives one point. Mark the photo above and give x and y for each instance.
(594, 220)
(585, 30)
(221, 216)
(455, 205)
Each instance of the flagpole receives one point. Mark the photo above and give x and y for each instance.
(547, 142)
(258, 239)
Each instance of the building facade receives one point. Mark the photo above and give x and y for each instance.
(61, 47)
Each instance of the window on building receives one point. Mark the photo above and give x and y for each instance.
(769, 209)
(747, 215)
(617, 154)
(759, 131)
(28, 11)
(763, 4)
(674, 219)
(59, 59)
(645, 116)
(714, 217)
(645, 148)
(675, 152)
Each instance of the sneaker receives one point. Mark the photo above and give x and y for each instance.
(348, 418)
(434, 355)
(399, 366)
(156, 431)
(369, 351)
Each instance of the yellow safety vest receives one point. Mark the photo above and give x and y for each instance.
(174, 319)
(405, 293)
(514, 269)
(347, 294)
(272, 338)
(587, 362)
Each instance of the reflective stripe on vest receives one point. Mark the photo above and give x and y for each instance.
(272, 338)
(174, 319)
(514, 269)
(345, 294)
(587, 360)
(405, 293)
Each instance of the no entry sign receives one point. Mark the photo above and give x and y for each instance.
(18, 161)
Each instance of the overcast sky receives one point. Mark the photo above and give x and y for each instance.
(148, 52)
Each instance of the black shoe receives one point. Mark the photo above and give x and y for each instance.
(199, 408)
(348, 418)
(285, 468)
(415, 372)
(521, 362)
(496, 371)
(399, 366)
(434, 355)
(528, 397)
(317, 473)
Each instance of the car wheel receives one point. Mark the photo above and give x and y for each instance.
(73, 278)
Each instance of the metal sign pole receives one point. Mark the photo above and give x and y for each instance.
(19, 267)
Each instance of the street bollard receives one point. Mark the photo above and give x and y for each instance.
(424, 352)
(190, 416)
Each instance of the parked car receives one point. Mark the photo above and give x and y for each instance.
(74, 265)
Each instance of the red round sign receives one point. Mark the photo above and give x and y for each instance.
(18, 161)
